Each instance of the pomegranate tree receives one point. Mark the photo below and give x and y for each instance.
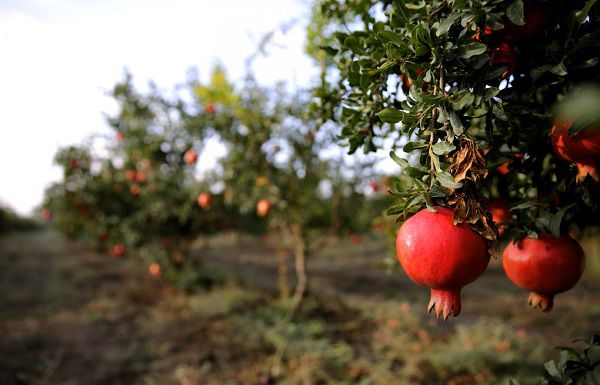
(443, 256)
(493, 76)
(545, 266)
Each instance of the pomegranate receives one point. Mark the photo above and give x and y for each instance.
(204, 200)
(135, 189)
(117, 250)
(46, 214)
(442, 256)
(155, 270)
(120, 136)
(73, 163)
(190, 157)
(210, 108)
(130, 175)
(583, 149)
(500, 213)
(141, 176)
(504, 54)
(263, 207)
(545, 266)
(374, 186)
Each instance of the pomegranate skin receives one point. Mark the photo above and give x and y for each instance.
(444, 257)
(583, 149)
(545, 266)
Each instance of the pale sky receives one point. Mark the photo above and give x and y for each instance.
(60, 56)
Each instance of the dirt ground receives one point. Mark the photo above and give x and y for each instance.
(73, 316)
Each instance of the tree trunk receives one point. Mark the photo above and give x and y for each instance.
(284, 290)
(300, 267)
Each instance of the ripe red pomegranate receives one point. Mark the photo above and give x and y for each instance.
(374, 186)
(204, 200)
(155, 270)
(130, 175)
(263, 207)
(46, 214)
(545, 266)
(117, 250)
(500, 213)
(135, 189)
(583, 149)
(141, 176)
(190, 157)
(120, 136)
(73, 163)
(210, 108)
(442, 256)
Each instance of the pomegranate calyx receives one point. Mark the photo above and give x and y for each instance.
(543, 301)
(445, 303)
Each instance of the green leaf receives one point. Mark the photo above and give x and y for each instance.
(473, 49)
(389, 36)
(557, 219)
(447, 180)
(411, 146)
(390, 115)
(400, 161)
(462, 99)
(553, 371)
(436, 192)
(446, 24)
(515, 12)
(414, 172)
(559, 69)
(583, 14)
(443, 148)
(524, 205)
(457, 126)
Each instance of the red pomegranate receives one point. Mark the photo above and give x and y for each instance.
(120, 136)
(545, 266)
(504, 54)
(210, 108)
(117, 250)
(155, 270)
(374, 186)
(135, 189)
(442, 256)
(263, 207)
(190, 157)
(500, 213)
(130, 175)
(583, 149)
(46, 214)
(141, 176)
(204, 200)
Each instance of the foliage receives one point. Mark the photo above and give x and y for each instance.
(452, 81)
(574, 366)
